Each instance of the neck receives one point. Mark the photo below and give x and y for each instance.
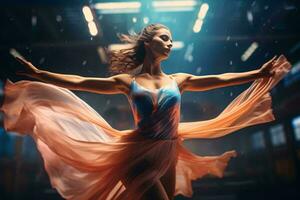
(151, 65)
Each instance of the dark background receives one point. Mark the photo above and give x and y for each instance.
(54, 36)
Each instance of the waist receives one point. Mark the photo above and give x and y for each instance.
(159, 136)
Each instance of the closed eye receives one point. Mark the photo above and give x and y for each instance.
(165, 37)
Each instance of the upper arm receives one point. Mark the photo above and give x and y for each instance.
(117, 84)
(190, 82)
(181, 79)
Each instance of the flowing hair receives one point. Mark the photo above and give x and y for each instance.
(129, 59)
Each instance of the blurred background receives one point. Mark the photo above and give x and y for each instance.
(210, 37)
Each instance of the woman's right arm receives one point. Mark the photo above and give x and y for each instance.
(117, 84)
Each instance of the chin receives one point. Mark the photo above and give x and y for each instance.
(164, 58)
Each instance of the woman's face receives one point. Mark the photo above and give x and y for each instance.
(161, 44)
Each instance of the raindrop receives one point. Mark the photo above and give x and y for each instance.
(91, 38)
(230, 62)
(198, 70)
(228, 38)
(266, 7)
(266, 54)
(61, 30)
(84, 63)
(236, 44)
(190, 58)
(231, 94)
(107, 102)
(42, 60)
(134, 19)
(33, 20)
(58, 18)
(250, 16)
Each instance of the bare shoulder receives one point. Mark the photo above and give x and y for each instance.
(123, 78)
(181, 77)
(124, 81)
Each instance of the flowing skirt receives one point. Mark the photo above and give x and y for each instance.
(86, 158)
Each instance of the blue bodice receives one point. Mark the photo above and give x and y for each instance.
(156, 112)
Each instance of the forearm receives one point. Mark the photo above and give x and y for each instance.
(62, 80)
(240, 78)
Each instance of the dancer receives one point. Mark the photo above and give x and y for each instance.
(86, 158)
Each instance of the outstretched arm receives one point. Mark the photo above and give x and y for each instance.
(189, 82)
(111, 85)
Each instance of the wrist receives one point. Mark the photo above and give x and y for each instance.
(262, 74)
(36, 73)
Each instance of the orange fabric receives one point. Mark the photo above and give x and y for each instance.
(86, 158)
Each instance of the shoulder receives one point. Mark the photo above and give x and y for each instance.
(181, 77)
(123, 81)
(122, 78)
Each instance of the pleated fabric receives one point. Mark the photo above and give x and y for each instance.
(86, 158)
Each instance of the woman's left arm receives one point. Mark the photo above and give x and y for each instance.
(189, 82)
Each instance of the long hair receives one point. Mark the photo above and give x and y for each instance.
(128, 59)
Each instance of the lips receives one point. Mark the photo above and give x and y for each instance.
(168, 50)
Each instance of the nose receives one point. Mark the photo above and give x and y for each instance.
(170, 45)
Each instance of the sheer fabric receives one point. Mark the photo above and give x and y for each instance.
(86, 158)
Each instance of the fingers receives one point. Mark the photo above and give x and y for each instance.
(281, 58)
(21, 60)
(272, 59)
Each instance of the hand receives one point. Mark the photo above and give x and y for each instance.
(266, 69)
(29, 70)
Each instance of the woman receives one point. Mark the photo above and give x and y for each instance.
(88, 159)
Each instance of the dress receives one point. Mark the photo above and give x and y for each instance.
(86, 158)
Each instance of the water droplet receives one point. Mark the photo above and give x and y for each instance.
(33, 20)
(190, 58)
(58, 18)
(249, 16)
(266, 54)
(84, 63)
(198, 70)
(42, 60)
(134, 19)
